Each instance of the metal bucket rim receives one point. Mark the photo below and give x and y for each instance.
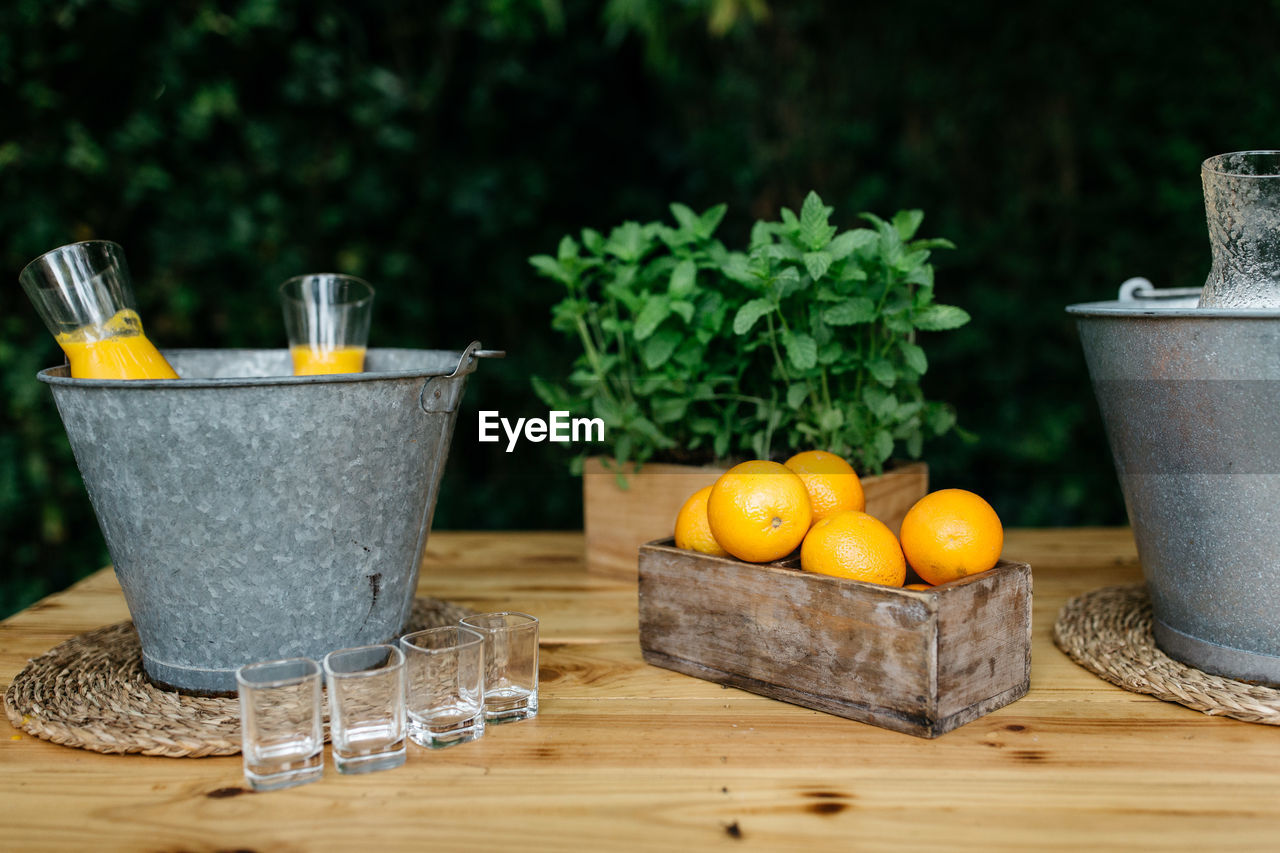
(50, 375)
(1145, 309)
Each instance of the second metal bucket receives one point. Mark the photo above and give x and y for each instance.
(253, 515)
(1191, 402)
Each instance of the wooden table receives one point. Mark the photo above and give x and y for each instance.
(624, 755)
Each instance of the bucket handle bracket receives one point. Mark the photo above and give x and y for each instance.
(442, 393)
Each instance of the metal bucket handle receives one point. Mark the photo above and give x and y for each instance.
(442, 393)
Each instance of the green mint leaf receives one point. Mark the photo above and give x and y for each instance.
(553, 395)
(749, 313)
(703, 426)
(831, 352)
(687, 219)
(651, 316)
(568, 249)
(940, 418)
(761, 236)
(802, 350)
(782, 252)
(817, 264)
(817, 327)
(881, 447)
(879, 223)
(899, 323)
(907, 223)
(627, 242)
(938, 318)
(814, 231)
(831, 419)
(646, 427)
(859, 309)
(684, 309)
(669, 409)
(913, 356)
(909, 411)
(915, 444)
(896, 301)
(797, 394)
(787, 282)
(607, 410)
(720, 446)
(934, 243)
(622, 451)
(684, 279)
(882, 371)
(881, 403)
(593, 241)
(738, 267)
(922, 276)
(852, 272)
(711, 219)
(551, 268)
(912, 260)
(849, 242)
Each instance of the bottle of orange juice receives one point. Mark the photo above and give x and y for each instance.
(84, 295)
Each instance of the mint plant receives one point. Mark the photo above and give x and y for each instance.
(808, 339)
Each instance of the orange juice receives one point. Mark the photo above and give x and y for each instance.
(308, 361)
(116, 349)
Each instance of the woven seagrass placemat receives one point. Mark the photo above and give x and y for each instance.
(1108, 632)
(90, 692)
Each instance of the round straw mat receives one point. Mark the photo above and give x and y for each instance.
(1108, 632)
(91, 692)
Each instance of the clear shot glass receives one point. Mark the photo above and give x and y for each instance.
(281, 729)
(445, 695)
(366, 708)
(84, 295)
(511, 664)
(326, 317)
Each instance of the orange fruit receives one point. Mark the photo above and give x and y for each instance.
(918, 586)
(951, 533)
(693, 531)
(759, 511)
(854, 545)
(832, 483)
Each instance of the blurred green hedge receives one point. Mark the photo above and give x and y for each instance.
(432, 148)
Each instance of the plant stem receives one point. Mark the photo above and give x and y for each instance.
(593, 356)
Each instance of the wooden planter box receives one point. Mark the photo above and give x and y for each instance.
(919, 662)
(619, 521)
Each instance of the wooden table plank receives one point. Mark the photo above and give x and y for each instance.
(626, 755)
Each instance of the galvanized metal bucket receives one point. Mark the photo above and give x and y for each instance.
(1191, 402)
(253, 515)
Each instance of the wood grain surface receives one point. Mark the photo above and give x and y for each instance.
(629, 756)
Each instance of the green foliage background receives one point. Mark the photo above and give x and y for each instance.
(432, 148)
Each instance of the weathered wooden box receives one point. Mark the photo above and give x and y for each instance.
(920, 662)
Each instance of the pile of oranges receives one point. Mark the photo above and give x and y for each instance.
(761, 511)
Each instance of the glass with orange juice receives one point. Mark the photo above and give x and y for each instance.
(326, 316)
(85, 297)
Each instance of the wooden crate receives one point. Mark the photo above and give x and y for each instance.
(618, 521)
(920, 662)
